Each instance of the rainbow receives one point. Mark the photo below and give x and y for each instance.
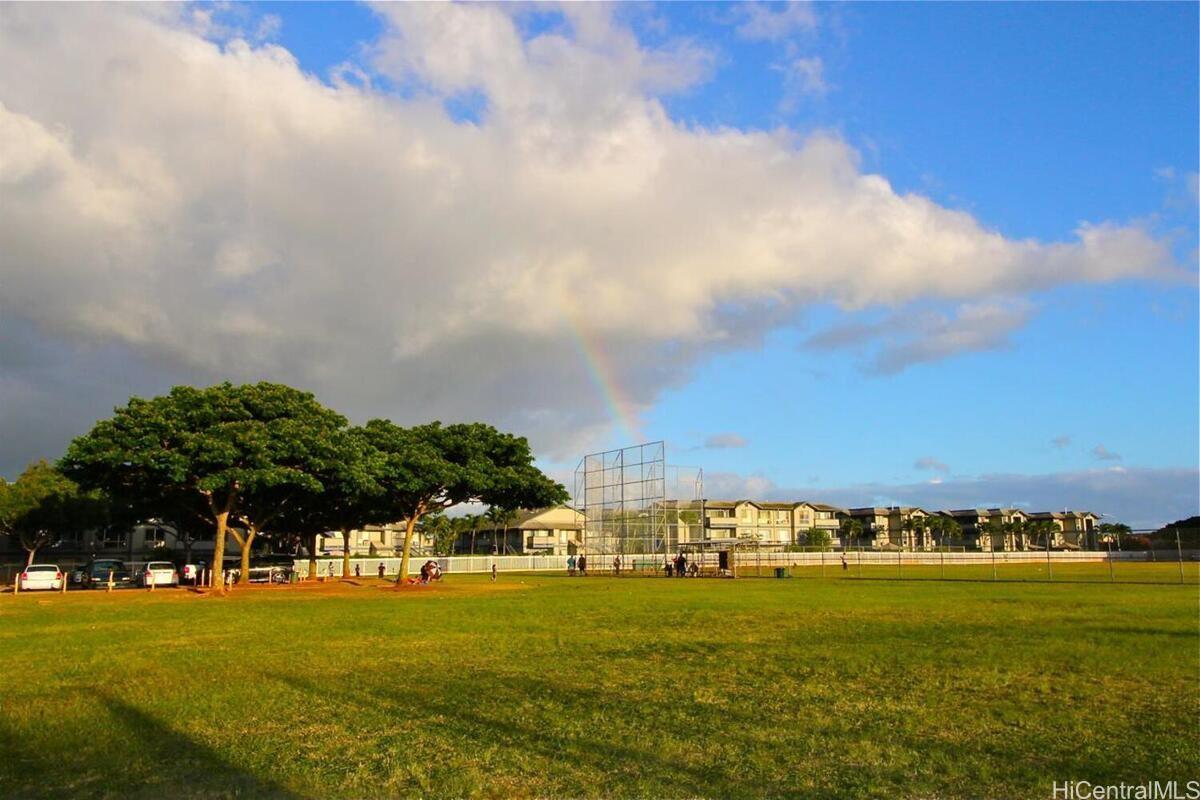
(601, 372)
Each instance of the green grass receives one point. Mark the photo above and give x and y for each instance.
(546, 686)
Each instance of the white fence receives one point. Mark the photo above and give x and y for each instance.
(369, 567)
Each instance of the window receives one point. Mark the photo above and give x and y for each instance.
(114, 538)
(154, 537)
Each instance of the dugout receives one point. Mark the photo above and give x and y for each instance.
(715, 558)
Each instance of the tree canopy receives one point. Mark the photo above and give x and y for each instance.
(432, 467)
(42, 504)
(221, 452)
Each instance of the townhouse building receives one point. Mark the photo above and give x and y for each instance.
(1073, 530)
(771, 524)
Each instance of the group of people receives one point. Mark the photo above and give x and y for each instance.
(579, 564)
(680, 567)
(431, 571)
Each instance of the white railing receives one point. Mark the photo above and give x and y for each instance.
(369, 567)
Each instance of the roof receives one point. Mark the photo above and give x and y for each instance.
(821, 506)
(524, 516)
(876, 510)
(967, 512)
(1008, 511)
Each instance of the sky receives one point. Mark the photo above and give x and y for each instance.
(886, 253)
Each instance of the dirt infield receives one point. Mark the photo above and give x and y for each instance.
(331, 588)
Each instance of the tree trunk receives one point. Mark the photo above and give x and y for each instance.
(345, 552)
(410, 525)
(218, 560)
(312, 558)
(29, 560)
(244, 577)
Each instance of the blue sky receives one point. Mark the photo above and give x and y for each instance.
(1034, 121)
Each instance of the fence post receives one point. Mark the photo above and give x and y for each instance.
(860, 555)
(1179, 550)
(943, 549)
(899, 564)
(822, 563)
(992, 542)
(1049, 566)
(1111, 577)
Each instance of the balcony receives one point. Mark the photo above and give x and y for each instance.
(724, 523)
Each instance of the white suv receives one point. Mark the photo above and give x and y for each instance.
(41, 576)
(159, 573)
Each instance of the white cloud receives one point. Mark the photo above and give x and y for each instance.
(775, 21)
(911, 337)
(209, 210)
(733, 486)
(720, 441)
(1102, 453)
(802, 77)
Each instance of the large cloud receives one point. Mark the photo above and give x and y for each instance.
(211, 210)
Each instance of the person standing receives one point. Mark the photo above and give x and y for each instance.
(382, 571)
(493, 572)
(357, 570)
(581, 564)
(845, 566)
(571, 566)
(616, 565)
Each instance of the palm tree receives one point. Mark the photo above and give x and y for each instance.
(852, 528)
(471, 522)
(1042, 529)
(995, 531)
(500, 518)
(1015, 529)
(946, 528)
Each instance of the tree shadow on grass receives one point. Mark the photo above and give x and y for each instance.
(173, 764)
(474, 721)
(136, 755)
(25, 771)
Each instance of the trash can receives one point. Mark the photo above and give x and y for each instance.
(781, 572)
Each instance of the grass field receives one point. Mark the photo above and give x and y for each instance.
(547, 686)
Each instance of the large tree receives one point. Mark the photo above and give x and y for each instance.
(225, 452)
(42, 505)
(432, 467)
(351, 495)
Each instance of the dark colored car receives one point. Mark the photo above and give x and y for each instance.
(96, 572)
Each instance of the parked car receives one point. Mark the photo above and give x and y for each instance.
(159, 573)
(268, 568)
(95, 574)
(41, 576)
(77, 574)
(190, 573)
